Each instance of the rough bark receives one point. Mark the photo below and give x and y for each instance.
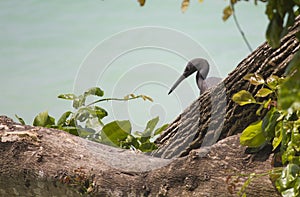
(46, 162)
(214, 116)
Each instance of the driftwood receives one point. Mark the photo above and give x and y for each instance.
(38, 161)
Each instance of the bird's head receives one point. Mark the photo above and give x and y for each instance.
(197, 64)
(189, 69)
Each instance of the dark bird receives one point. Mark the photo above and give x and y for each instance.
(202, 67)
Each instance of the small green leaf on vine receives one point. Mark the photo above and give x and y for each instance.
(243, 97)
(254, 79)
(263, 92)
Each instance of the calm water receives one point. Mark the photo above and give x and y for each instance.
(45, 46)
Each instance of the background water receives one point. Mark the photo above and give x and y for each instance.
(45, 44)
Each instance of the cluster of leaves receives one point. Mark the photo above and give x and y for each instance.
(86, 121)
(279, 123)
(119, 134)
(281, 15)
(262, 131)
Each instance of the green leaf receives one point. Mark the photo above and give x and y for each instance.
(115, 132)
(91, 111)
(278, 135)
(288, 178)
(263, 92)
(269, 9)
(147, 147)
(294, 63)
(253, 136)
(284, 7)
(70, 129)
(43, 120)
(290, 90)
(289, 192)
(79, 101)
(243, 97)
(82, 114)
(151, 124)
(132, 141)
(258, 111)
(99, 112)
(295, 138)
(273, 81)
(67, 96)
(269, 123)
(161, 129)
(254, 79)
(96, 91)
(85, 132)
(274, 30)
(63, 119)
(267, 103)
(20, 119)
(290, 19)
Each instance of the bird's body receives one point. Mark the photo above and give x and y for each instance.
(201, 83)
(202, 67)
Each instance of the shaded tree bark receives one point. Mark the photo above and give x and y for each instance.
(37, 161)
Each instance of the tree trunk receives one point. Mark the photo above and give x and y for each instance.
(47, 162)
(214, 116)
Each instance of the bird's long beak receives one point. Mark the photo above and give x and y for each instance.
(181, 78)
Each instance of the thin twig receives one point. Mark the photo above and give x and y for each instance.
(115, 99)
(240, 29)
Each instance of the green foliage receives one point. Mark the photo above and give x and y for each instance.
(281, 15)
(253, 136)
(277, 11)
(20, 119)
(119, 133)
(254, 79)
(44, 120)
(233, 181)
(243, 97)
(116, 132)
(289, 93)
(289, 182)
(280, 124)
(246, 184)
(86, 121)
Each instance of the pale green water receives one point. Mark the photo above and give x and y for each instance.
(43, 44)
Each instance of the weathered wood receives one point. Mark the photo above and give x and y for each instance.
(46, 162)
(214, 116)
